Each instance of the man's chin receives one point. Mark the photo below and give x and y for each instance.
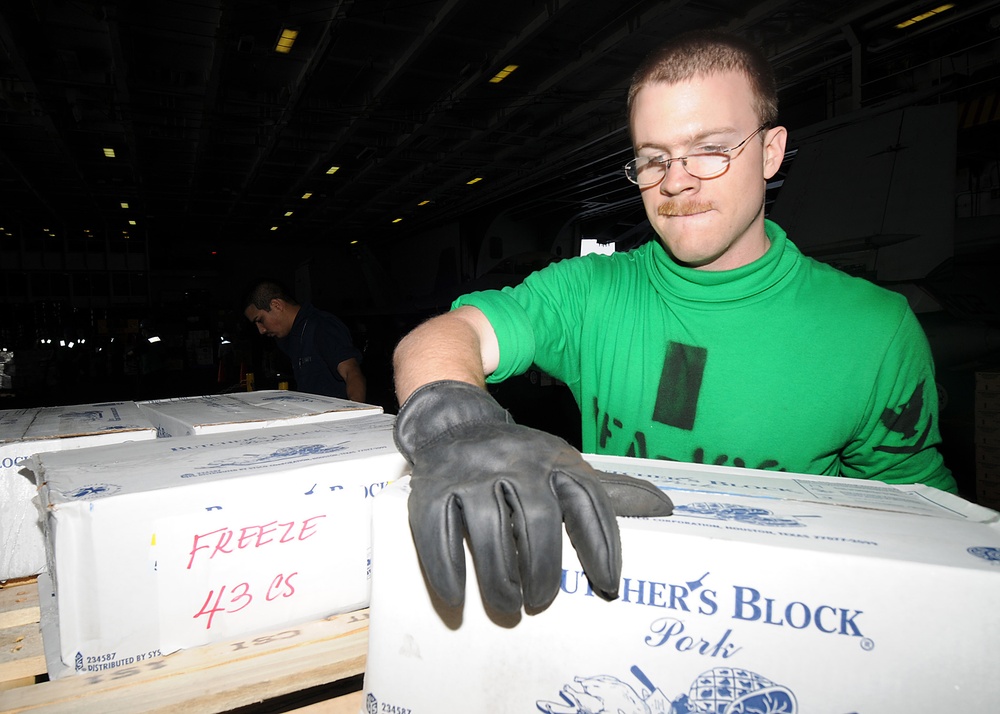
(688, 256)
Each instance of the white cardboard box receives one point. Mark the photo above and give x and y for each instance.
(24, 432)
(218, 413)
(180, 542)
(760, 594)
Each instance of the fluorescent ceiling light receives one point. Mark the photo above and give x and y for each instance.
(109, 152)
(424, 202)
(925, 15)
(502, 74)
(286, 40)
(288, 213)
(333, 169)
(131, 223)
(475, 180)
(274, 228)
(124, 205)
(396, 220)
(306, 195)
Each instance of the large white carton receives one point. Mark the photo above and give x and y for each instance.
(762, 593)
(24, 432)
(180, 542)
(218, 413)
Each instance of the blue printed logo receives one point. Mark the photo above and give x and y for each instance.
(286, 454)
(722, 690)
(736, 512)
(90, 415)
(94, 490)
(988, 553)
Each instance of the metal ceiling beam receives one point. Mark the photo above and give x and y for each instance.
(315, 60)
(122, 96)
(17, 59)
(375, 98)
(448, 99)
(626, 28)
(211, 99)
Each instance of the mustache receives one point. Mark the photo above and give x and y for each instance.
(683, 208)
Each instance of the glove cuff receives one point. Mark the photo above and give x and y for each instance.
(440, 408)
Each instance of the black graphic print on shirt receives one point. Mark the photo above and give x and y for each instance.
(680, 385)
(905, 420)
(676, 406)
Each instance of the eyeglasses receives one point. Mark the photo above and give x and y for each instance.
(650, 170)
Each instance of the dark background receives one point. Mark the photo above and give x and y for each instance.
(218, 140)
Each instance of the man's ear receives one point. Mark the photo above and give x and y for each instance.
(276, 305)
(774, 150)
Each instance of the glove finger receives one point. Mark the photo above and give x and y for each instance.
(495, 530)
(437, 526)
(536, 523)
(592, 528)
(632, 496)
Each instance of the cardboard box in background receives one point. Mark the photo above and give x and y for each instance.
(6, 369)
(987, 430)
(218, 413)
(988, 382)
(987, 402)
(763, 593)
(988, 492)
(987, 438)
(24, 432)
(988, 476)
(198, 539)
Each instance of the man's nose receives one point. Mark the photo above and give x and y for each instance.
(260, 328)
(677, 179)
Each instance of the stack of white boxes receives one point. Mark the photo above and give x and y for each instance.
(218, 413)
(762, 593)
(24, 432)
(988, 439)
(255, 514)
(179, 542)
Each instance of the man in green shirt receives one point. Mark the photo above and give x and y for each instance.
(720, 343)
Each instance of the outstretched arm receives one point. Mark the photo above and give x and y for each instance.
(459, 345)
(508, 487)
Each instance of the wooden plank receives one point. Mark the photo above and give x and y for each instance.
(18, 602)
(21, 654)
(212, 678)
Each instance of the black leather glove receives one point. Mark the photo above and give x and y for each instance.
(508, 488)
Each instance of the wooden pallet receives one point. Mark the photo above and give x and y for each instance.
(316, 667)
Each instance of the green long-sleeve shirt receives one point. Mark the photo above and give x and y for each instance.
(783, 364)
